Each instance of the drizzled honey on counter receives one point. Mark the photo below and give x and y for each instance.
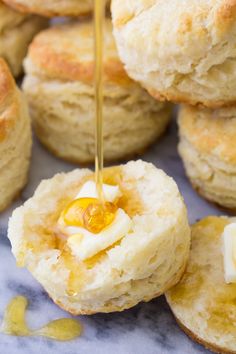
(14, 323)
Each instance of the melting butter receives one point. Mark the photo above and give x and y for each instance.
(14, 323)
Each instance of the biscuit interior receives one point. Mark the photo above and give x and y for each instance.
(202, 302)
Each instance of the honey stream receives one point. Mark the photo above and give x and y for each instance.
(99, 15)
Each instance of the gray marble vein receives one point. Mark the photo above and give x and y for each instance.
(147, 328)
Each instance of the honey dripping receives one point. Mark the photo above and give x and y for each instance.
(90, 213)
(99, 16)
(14, 323)
(93, 214)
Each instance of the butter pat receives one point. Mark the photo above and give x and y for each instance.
(229, 253)
(85, 244)
(89, 190)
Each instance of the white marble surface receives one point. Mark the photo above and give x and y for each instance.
(147, 328)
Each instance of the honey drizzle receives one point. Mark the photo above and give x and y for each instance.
(67, 328)
(14, 323)
(99, 16)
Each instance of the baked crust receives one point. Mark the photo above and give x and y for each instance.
(210, 132)
(189, 62)
(208, 149)
(10, 105)
(53, 8)
(66, 53)
(178, 98)
(7, 87)
(60, 92)
(15, 138)
(209, 346)
(16, 32)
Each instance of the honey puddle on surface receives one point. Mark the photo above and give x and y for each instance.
(14, 323)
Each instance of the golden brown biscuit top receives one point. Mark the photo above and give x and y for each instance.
(195, 17)
(52, 8)
(9, 102)
(9, 18)
(210, 132)
(66, 52)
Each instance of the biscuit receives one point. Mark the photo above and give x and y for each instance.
(203, 304)
(208, 149)
(146, 262)
(15, 138)
(189, 54)
(53, 8)
(59, 87)
(16, 32)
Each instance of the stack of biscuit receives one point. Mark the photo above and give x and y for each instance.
(190, 58)
(59, 87)
(59, 82)
(145, 252)
(192, 62)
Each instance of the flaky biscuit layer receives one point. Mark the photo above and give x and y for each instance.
(59, 86)
(183, 51)
(147, 261)
(208, 149)
(15, 138)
